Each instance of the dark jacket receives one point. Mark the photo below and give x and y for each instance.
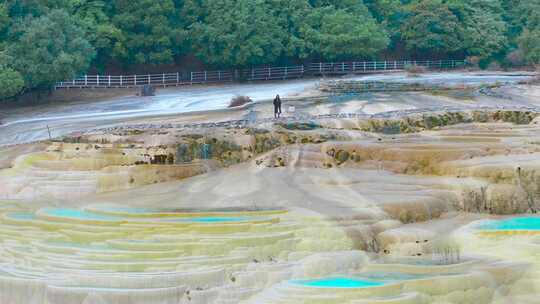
(277, 101)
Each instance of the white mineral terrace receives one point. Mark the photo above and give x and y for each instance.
(401, 202)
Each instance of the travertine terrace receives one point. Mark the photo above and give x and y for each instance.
(393, 208)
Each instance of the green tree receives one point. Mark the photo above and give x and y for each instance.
(11, 82)
(390, 14)
(237, 33)
(523, 13)
(34, 8)
(151, 31)
(338, 33)
(523, 19)
(479, 19)
(104, 36)
(290, 15)
(529, 43)
(5, 20)
(383, 9)
(430, 25)
(349, 5)
(51, 48)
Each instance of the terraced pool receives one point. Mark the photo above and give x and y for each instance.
(340, 282)
(65, 213)
(215, 219)
(516, 224)
(138, 215)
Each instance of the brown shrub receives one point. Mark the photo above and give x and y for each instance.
(515, 58)
(239, 101)
(415, 70)
(473, 61)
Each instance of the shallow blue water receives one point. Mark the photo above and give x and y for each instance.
(78, 214)
(21, 216)
(137, 210)
(520, 223)
(213, 219)
(338, 283)
(87, 215)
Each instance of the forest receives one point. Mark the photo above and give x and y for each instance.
(44, 41)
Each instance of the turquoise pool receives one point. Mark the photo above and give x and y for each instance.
(520, 223)
(77, 214)
(213, 219)
(136, 210)
(338, 283)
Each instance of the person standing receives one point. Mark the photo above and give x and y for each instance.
(277, 106)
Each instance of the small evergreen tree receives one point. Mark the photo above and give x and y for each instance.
(49, 48)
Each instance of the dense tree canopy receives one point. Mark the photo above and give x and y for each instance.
(430, 25)
(481, 26)
(527, 20)
(240, 32)
(43, 41)
(529, 42)
(340, 33)
(11, 80)
(51, 47)
(151, 30)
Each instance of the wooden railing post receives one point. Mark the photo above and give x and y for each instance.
(109, 80)
(191, 78)
(177, 77)
(121, 83)
(163, 82)
(97, 80)
(85, 80)
(148, 76)
(205, 76)
(135, 80)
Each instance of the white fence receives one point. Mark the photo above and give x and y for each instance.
(373, 66)
(275, 73)
(255, 74)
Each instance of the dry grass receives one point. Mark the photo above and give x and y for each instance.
(415, 70)
(239, 101)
